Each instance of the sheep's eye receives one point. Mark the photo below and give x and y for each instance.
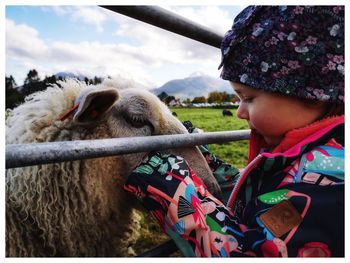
(137, 121)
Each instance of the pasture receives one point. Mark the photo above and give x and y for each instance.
(235, 153)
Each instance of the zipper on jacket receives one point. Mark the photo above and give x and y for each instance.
(243, 175)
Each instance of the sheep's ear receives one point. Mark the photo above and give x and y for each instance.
(94, 105)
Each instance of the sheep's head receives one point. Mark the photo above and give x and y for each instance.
(135, 112)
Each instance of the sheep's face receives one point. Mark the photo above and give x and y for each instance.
(130, 112)
(135, 112)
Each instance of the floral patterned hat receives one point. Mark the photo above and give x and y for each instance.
(293, 50)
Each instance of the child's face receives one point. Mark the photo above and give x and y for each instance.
(273, 115)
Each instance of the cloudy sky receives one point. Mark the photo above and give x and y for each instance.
(93, 41)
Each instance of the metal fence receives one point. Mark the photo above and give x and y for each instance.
(167, 20)
(19, 155)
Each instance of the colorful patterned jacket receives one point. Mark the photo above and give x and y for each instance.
(288, 202)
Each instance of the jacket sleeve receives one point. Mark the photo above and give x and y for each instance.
(226, 174)
(199, 223)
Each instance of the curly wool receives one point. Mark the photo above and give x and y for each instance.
(63, 209)
(78, 208)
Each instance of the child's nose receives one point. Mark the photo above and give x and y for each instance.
(242, 112)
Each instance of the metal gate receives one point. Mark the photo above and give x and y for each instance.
(20, 155)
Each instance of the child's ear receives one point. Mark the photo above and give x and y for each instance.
(94, 105)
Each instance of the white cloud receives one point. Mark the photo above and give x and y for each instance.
(89, 15)
(58, 10)
(167, 47)
(140, 50)
(23, 41)
(212, 17)
(163, 46)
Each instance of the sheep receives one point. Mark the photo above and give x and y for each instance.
(226, 113)
(78, 208)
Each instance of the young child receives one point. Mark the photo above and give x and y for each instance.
(286, 63)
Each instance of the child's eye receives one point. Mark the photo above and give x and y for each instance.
(247, 99)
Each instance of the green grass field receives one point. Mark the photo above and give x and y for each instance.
(235, 153)
(211, 120)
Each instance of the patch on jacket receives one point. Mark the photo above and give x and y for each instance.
(281, 218)
(323, 160)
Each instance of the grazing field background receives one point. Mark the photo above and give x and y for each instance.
(234, 153)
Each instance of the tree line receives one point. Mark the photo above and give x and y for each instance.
(32, 83)
(213, 97)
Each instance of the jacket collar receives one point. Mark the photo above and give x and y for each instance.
(293, 138)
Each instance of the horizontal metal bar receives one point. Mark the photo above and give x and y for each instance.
(167, 20)
(18, 155)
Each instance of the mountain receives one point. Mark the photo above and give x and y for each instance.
(66, 75)
(195, 85)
